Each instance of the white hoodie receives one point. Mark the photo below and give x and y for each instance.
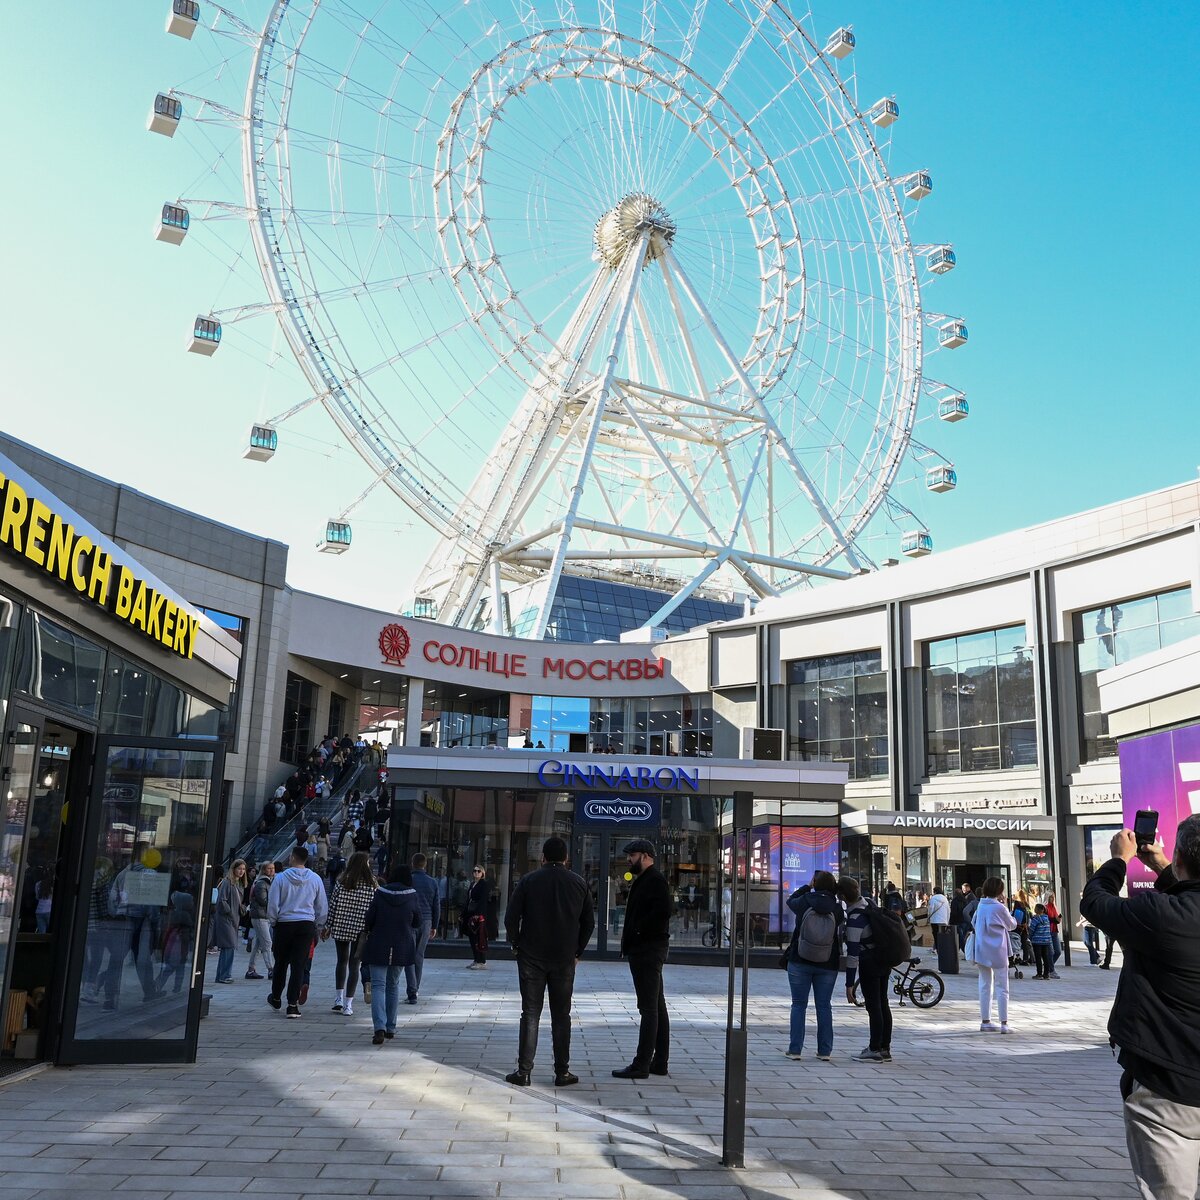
(297, 894)
(992, 925)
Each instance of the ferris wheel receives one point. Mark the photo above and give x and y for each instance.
(624, 289)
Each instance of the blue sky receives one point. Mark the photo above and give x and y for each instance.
(1065, 175)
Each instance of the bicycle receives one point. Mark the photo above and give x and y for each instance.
(924, 988)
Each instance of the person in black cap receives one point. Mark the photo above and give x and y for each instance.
(644, 943)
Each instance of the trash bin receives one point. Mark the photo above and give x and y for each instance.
(946, 942)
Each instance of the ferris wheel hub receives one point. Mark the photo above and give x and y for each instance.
(635, 215)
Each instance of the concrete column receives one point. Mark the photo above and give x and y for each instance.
(412, 712)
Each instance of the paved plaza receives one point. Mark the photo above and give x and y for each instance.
(311, 1108)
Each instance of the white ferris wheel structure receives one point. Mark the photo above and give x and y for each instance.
(618, 289)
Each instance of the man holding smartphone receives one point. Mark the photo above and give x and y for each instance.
(1155, 1020)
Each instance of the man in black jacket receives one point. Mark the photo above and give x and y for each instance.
(1155, 1017)
(549, 921)
(644, 943)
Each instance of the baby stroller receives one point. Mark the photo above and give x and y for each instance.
(1016, 953)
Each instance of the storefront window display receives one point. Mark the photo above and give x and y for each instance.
(503, 830)
(837, 712)
(979, 703)
(1108, 636)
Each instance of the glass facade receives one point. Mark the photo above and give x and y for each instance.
(383, 705)
(503, 830)
(299, 719)
(837, 712)
(590, 610)
(236, 627)
(979, 703)
(1113, 634)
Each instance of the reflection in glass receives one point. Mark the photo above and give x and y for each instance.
(17, 796)
(59, 667)
(144, 894)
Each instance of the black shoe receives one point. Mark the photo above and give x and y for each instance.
(389, 1034)
(293, 1012)
(565, 1079)
(377, 1040)
(885, 1056)
(411, 1000)
(659, 1069)
(633, 1071)
(274, 1002)
(518, 1078)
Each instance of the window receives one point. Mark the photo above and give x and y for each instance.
(237, 628)
(59, 667)
(979, 702)
(837, 712)
(1111, 635)
(299, 704)
(661, 725)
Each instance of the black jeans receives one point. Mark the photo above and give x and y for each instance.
(291, 942)
(1041, 956)
(349, 956)
(879, 1015)
(536, 978)
(654, 1039)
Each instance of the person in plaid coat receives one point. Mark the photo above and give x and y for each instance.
(346, 924)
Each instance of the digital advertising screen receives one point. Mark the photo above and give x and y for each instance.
(1160, 772)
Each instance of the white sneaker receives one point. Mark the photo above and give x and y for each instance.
(987, 1027)
(1005, 1029)
(348, 1009)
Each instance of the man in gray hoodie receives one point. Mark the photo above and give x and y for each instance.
(296, 909)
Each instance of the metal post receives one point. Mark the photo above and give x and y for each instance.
(733, 1130)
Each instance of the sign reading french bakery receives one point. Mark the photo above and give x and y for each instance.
(43, 539)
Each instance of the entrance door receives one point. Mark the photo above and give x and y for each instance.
(137, 971)
(43, 765)
(596, 855)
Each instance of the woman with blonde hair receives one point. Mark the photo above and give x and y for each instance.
(346, 924)
(993, 924)
(227, 917)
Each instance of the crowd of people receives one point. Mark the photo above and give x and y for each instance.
(381, 928)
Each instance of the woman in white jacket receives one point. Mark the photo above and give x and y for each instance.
(993, 922)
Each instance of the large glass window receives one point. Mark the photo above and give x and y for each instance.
(662, 725)
(59, 667)
(979, 702)
(837, 712)
(1115, 633)
(227, 718)
(383, 705)
(300, 702)
(138, 702)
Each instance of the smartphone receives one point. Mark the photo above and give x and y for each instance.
(1145, 827)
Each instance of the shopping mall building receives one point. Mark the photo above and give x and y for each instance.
(929, 723)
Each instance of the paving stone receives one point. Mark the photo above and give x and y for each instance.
(286, 1111)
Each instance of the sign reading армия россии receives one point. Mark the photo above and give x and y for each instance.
(32, 531)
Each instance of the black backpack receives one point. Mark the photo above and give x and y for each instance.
(887, 944)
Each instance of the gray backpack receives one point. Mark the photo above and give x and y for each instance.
(816, 936)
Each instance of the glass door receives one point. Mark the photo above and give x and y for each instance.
(18, 774)
(588, 859)
(137, 971)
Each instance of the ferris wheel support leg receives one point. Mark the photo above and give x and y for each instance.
(498, 622)
(671, 263)
(710, 568)
(631, 269)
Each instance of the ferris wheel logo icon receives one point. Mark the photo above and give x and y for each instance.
(394, 644)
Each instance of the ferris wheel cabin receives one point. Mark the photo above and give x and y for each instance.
(840, 44)
(336, 539)
(941, 479)
(173, 224)
(206, 336)
(884, 112)
(941, 260)
(183, 18)
(164, 116)
(916, 544)
(954, 408)
(263, 443)
(918, 186)
(952, 335)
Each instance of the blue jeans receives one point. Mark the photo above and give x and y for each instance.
(225, 963)
(385, 997)
(412, 973)
(802, 977)
(1091, 939)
